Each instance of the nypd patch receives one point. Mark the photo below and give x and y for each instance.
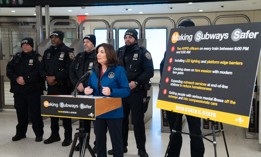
(71, 55)
(48, 56)
(40, 58)
(148, 55)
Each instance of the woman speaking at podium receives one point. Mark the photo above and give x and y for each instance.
(108, 79)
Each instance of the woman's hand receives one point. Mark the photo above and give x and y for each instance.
(106, 91)
(88, 90)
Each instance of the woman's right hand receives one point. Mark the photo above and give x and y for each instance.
(88, 90)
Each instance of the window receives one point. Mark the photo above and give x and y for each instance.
(156, 44)
(156, 41)
(101, 36)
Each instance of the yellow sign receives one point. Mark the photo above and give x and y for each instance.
(229, 118)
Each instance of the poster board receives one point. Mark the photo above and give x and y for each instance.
(210, 72)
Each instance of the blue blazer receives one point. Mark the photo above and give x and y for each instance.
(115, 78)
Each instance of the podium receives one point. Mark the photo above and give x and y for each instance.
(78, 107)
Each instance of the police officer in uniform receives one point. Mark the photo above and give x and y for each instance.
(138, 64)
(197, 148)
(83, 63)
(23, 72)
(55, 70)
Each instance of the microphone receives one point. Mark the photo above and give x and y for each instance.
(85, 76)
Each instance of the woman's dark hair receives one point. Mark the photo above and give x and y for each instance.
(112, 59)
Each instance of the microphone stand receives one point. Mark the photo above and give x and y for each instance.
(85, 76)
(81, 135)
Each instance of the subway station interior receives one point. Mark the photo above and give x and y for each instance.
(108, 21)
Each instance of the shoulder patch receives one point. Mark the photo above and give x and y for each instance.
(148, 55)
(40, 58)
(18, 54)
(71, 55)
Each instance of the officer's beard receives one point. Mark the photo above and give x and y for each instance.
(89, 50)
(54, 44)
(129, 47)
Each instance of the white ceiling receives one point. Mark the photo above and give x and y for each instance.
(136, 9)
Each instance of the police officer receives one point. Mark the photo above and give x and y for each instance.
(83, 63)
(55, 70)
(23, 72)
(138, 64)
(197, 148)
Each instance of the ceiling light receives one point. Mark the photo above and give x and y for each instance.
(86, 13)
(69, 10)
(140, 12)
(200, 10)
(190, 3)
(13, 11)
(34, 14)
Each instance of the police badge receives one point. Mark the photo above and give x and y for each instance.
(135, 56)
(31, 62)
(61, 56)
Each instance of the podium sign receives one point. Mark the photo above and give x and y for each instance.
(210, 72)
(80, 107)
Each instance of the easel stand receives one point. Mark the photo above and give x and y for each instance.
(84, 144)
(214, 137)
(173, 131)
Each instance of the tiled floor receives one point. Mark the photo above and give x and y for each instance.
(156, 145)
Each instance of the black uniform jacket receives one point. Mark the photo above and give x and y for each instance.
(137, 62)
(27, 66)
(56, 62)
(82, 63)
